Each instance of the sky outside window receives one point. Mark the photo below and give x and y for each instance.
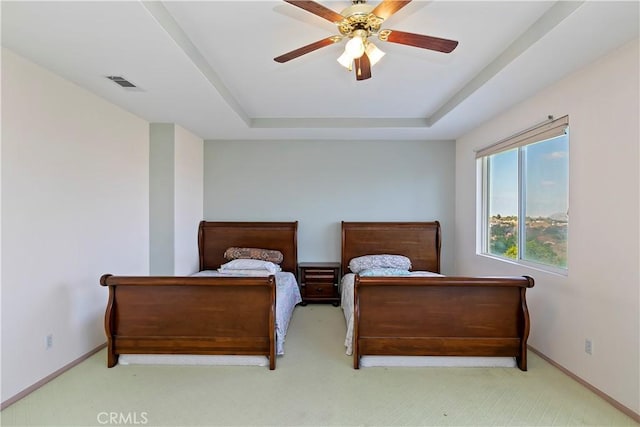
(503, 183)
(547, 168)
(546, 182)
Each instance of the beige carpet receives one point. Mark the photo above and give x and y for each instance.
(314, 384)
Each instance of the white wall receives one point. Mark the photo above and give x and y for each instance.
(75, 182)
(321, 183)
(189, 189)
(599, 299)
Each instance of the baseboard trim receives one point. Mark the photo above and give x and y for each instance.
(50, 377)
(627, 411)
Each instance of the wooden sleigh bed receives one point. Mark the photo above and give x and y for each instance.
(430, 316)
(202, 315)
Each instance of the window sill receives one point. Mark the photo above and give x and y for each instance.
(562, 272)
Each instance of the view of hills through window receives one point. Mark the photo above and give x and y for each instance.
(543, 192)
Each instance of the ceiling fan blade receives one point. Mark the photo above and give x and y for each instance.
(386, 8)
(363, 67)
(306, 49)
(418, 40)
(317, 9)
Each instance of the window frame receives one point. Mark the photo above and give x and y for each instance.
(523, 139)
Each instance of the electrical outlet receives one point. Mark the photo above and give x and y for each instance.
(48, 341)
(588, 346)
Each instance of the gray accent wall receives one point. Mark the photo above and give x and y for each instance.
(321, 183)
(175, 199)
(161, 198)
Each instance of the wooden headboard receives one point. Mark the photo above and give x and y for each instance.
(419, 241)
(215, 237)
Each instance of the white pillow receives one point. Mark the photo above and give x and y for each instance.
(250, 264)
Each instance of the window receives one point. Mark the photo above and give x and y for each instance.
(525, 196)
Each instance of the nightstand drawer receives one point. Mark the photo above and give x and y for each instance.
(315, 290)
(310, 275)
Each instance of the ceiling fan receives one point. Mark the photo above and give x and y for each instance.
(357, 23)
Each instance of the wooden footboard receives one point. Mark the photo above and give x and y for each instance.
(190, 315)
(441, 316)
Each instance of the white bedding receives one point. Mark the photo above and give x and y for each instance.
(347, 302)
(287, 296)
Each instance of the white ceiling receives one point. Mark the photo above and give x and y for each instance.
(208, 65)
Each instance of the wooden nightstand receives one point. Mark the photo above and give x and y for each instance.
(319, 282)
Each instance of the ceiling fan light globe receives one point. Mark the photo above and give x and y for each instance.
(374, 53)
(346, 61)
(355, 47)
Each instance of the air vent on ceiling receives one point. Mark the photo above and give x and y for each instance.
(121, 81)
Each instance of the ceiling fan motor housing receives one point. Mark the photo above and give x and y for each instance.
(358, 16)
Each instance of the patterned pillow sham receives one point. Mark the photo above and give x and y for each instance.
(270, 255)
(358, 264)
(384, 272)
